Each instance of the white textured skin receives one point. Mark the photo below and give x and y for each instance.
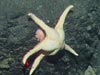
(53, 41)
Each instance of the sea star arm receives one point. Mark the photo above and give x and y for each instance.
(37, 48)
(36, 63)
(68, 48)
(61, 20)
(54, 52)
(39, 22)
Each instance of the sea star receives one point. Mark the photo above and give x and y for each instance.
(51, 41)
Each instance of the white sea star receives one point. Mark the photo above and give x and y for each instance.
(52, 42)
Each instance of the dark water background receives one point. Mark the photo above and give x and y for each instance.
(82, 28)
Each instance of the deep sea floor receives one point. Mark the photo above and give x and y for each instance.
(82, 29)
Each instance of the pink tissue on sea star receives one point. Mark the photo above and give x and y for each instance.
(40, 35)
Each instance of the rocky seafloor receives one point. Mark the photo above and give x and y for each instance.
(82, 29)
